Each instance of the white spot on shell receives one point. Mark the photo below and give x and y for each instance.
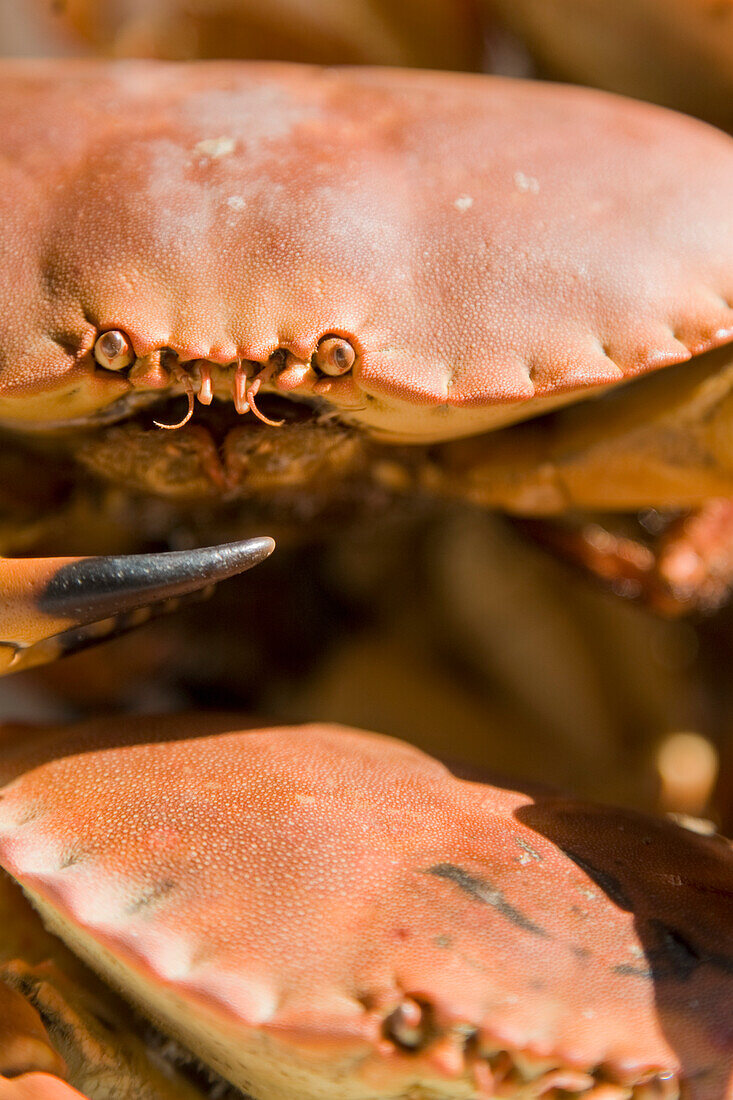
(98, 908)
(463, 203)
(526, 183)
(172, 956)
(528, 852)
(236, 202)
(215, 147)
(251, 1000)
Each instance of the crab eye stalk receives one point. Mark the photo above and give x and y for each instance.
(334, 356)
(113, 350)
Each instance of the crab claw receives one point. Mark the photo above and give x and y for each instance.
(24, 1043)
(50, 607)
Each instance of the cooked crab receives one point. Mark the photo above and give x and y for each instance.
(338, 273)
(320, 912)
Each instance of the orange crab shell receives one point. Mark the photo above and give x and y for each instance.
(311, 906)
(488, 246)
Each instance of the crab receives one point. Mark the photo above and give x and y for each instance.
(321, 912)
(254, 293)
(251, 247)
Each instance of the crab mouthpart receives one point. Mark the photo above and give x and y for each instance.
(325, 377)
(244, 391)
(211, 447)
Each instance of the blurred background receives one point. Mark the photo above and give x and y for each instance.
(675, 52)
(432, 622)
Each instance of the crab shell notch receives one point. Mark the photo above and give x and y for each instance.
(62, 1022)
(320, 912)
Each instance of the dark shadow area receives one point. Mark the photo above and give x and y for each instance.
(679, 887)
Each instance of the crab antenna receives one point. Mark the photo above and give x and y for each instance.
(251, 393)
(54, 606)
(182, 377)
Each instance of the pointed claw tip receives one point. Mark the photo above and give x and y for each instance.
(218, 563)
(254, 550)
(267, 543)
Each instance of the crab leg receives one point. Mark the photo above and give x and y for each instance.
(37, 1086)
(24, 1043)
(662, 442)
(53, 606)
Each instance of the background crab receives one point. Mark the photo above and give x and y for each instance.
(320, 912)
(435, 34)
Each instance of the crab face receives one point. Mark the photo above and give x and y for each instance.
(319, 912)
(358, 259)
(421, 257)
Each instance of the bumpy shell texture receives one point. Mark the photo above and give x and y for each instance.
(478, 240)
(283, 899)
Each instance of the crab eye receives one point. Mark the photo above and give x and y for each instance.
(113, 350)
(334, 356)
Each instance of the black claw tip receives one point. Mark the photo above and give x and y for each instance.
(91, 589)
(216, 563)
